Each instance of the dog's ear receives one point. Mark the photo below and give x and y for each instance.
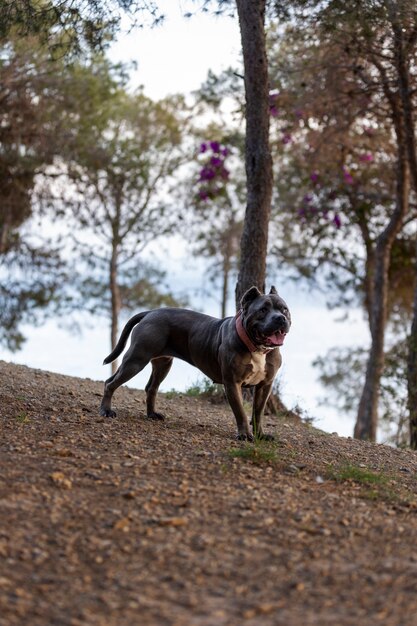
(273, 291)
(249, 296)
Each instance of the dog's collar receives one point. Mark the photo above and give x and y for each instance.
(243, 335)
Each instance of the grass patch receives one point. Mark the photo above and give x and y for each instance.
(22, 417)
(374, 486)
(258, 452)
(360, 475)
(173, 393)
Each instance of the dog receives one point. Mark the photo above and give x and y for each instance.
(240, 351)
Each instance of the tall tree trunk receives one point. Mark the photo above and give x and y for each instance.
(5, 228)
(258, 158)
(367, 417)
(407, 106)
(225, 285)
(115, 302)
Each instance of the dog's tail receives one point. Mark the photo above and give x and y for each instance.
(123, 337)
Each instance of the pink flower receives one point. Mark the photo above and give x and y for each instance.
(366, 158)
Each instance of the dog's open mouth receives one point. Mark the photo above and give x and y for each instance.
(277, 339)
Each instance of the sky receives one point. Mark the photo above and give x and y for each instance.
(175, 58)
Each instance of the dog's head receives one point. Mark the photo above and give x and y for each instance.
(265, 317)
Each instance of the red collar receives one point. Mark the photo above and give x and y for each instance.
(243, 334)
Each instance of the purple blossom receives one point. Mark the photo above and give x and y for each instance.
(307, 198)
(314, 177)
(273, 110)
(216, 162)
(207, 173)
(286, 138)
(347, 176)
(213, 174)
(337, 221)
(203, 195)
(299, 114)
(215, 146)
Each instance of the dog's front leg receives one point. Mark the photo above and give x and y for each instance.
(234, 396)
(260, 399)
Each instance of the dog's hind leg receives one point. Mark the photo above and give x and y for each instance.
(127, 370)
(160, 369)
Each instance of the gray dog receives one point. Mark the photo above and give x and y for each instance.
(240, 351)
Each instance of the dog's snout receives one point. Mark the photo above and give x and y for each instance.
(279, 319)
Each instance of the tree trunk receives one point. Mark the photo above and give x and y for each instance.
(258, 158)
(367, 418)
(407, 106)
(115, 302)
(225, 286)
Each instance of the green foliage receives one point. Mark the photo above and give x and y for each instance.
(205, 388)
(337, 162)
(123, 153)
(32, 287)
(341, 371)
(69, 27)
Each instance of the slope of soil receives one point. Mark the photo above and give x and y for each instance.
(125, 521)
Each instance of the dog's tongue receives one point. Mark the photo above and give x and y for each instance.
(277, 339)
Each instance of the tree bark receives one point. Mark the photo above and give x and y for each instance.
(225, 285)
(409, 125)
(115, 302)
(258, 160)
(367, 417)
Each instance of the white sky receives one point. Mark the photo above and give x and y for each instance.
(175, 58)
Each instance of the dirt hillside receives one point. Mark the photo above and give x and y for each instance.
(126, 521)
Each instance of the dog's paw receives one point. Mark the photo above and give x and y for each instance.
(156, 416)
(244, 437)
(107, 413)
